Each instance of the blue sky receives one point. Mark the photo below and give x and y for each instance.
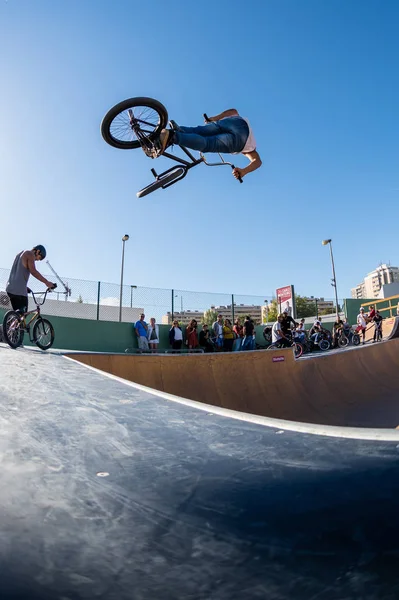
(318, 81)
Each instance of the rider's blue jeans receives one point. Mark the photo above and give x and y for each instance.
(228, 135)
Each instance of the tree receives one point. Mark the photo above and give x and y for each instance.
(304, 307)
(272, 312)
(210, 316)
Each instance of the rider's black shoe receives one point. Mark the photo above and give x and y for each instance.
(174, 125)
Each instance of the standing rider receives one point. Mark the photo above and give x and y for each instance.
(227, 132)
(22, 268)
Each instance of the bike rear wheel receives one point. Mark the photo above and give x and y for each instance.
(343, 341)
(158, 183)
(12, 329)
(133, 122)
(43, 334)
(356, 339)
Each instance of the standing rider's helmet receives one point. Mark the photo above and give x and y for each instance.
(42, 250)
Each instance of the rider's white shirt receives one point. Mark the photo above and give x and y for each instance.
(250, 144)
(361, 320)
(276, 332)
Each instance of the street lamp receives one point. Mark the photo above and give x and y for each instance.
(267, 310)
(124, 239)
(334, 279)
(132, 287)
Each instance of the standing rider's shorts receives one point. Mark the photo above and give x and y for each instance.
(19, 302)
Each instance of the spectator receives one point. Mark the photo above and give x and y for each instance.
(315, 331)
(217, 328)
(361, 324)
(141, 329)
(153, 335)
(377, 327)
(338, 328)
(238, 329)
(315, 327)
(371, 314)
(204, 339)
(175, 336)
(248, 333)
(278, 336)
(191, 335)
(287, 323)
(228, 336)
(301, 331)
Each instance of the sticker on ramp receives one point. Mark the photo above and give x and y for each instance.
(278, 358)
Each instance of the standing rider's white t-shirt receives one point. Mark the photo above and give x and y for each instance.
(361, 320)
(276, 332)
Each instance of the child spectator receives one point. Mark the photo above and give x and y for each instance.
(153, 335)
(204, 339)
(377, 327)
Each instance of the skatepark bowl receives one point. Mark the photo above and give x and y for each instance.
(200, 477)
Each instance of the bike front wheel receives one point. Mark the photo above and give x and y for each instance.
(343, 341)
(324, 345)
(12, 332)
(298, 349)
(131, 123)
(356, 339)
(43, 334)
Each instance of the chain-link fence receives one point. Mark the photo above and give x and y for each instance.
(108, 302)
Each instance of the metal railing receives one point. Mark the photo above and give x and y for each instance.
(98, 300)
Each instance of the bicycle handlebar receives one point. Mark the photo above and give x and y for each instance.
(206, 118)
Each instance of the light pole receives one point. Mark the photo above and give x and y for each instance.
(334, 279)
(124, 239)
(132, 287)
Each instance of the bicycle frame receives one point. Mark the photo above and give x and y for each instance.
(187, 165)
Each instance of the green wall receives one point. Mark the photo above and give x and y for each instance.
(103, 336)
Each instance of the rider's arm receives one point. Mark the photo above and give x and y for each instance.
(232, 112)
(254, 163)
(30, 264)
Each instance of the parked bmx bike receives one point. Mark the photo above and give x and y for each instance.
(15, 324)
(137, 123)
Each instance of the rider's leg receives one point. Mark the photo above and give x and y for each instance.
(223, 142)
(228, 135)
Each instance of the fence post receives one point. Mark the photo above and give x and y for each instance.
(173, 304)
(317, 311)
(98, 300)
(232, 307)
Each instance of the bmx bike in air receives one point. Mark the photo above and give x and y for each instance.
(15, 323)
(137, 123)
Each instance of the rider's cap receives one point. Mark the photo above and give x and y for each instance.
(361, 309)
(41, 249)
